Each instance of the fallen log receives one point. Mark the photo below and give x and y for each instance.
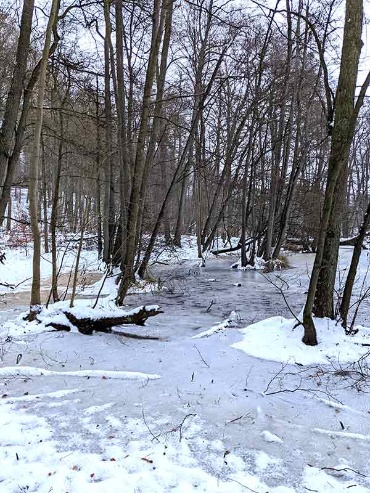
(237, 247)
(351, 242)
(227, 250)
(101, 322)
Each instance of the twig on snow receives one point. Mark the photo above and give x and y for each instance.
(343, 469)
(179, 427)
(201, 357)
(155, 437)
(237, 419)
(243, 485)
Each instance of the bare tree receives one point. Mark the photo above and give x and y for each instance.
(346, 113)
(13, 101)
(34, 166)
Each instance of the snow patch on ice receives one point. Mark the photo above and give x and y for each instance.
(29, 371)
(270, 437)
(279, 339)
(229, 322)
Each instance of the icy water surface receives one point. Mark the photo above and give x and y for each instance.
(196, 297)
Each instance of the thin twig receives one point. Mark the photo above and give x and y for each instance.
(280, 289)
(243, 485)
(210, 306)
(343, 469)
(155, 437)
(201, 357)
(236, 419)
(182, 423)
(14, 286)
(283, 366)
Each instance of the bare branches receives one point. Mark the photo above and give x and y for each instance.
(281, 291)
(330, 99)
(323, 378)
(178, 428)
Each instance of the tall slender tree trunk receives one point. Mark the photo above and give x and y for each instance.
(108, 214)
(44, 199)
(124, 167)
(56, 199)
(278, 138)
(351, 276)
(98, 173)
(35, 301)
(15, 92)
(127, 265)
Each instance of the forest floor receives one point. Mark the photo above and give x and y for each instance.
(225, 401)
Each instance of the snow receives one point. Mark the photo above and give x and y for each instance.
(248, 408)
(230, 322)
(270, 437)
(26, 371)
(317, 479)
(84, 311)
(259, 264)
(262, 339)
(17, 268)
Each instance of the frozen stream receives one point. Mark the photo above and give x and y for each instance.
(218, 390)
(205, 295)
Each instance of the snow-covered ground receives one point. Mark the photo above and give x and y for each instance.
(225, 401)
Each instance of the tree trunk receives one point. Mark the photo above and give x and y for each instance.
(127, 265)
(98, 173)
(278, 138)
(124, 166)
(15, 92)
(324, 297)
(13, 158)
(108, 213)
(344, 124)
(351, 276)
(35, 301)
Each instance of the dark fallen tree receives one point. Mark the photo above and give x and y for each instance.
(103, 323)
(234, 248)
(352, 242)
(227, 250)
